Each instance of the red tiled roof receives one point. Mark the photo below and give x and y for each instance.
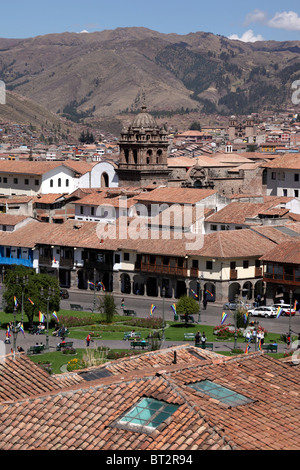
(85, 415)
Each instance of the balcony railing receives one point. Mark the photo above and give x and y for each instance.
(164, 269)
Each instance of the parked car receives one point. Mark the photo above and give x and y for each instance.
(233, 305)
(64, 294)
(266, 312)
(285, 309)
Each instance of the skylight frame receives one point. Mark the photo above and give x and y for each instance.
(147, 415)
(223, 394)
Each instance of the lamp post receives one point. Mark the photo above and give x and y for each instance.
(23, 286)
(94, 299)
(16, 329)
(200, 298)
(163, 326)
(235, 322)
(50, 293)
(290, 315)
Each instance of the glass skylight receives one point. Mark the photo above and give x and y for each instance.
(223, 394)
(149, 412)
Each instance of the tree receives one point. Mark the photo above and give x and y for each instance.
(13, 281)
(86, 138)
(195, 126)
(108, 307)
(187, 306)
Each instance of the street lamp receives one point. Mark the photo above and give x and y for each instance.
(290, 315)
(200, 298)
(50, 293)
(163, 326)
(23, 286)
(15, 331)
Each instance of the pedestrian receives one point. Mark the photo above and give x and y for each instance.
(262, 336)
(203, 339)
(248, 336)
(123, 303)
(88, 340)
(197, 338)
(204, 302)
(254, 335)
(288, 340)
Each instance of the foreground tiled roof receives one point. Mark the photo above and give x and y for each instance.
(21, 378)
(86, 415)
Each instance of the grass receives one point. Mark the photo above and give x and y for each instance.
(115, 331)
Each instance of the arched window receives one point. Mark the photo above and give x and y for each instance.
(67, 183)
(59, 182)
(135, 156)
(126, 153)
(51, 183)
(104, 180)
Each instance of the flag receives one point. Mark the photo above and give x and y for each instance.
(102, 285)
(55, 316)
(152, 309)
(196, 295)
(247, 348)
(295, 305)
(32, 303)
(15, 301)
(22, 329)
(91, 283)
(173, 307)
(207, 292)
(279, 312)
(245, 317)
(54, 260)
(259, 345)
(224, 316)
(41, 317)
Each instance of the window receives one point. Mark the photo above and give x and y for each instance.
(296, 193)
(195, 263)
(92, 210)
(81, 210)
(273, 175)
(15, 180)
(126, 256)
(214, 228)
(223, 394)
(67, 183)
(4, 179)
(117, 259)
(149, 413)
(26, 182)
(59, 182)
(232, 265)
(51, 183)
(296, 177)
(209, 265)
(36, 182)
(246, 264)
(284, 191)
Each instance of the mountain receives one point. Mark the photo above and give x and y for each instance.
(96, 76)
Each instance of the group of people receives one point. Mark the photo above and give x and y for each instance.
(200, 338)
(255, 336)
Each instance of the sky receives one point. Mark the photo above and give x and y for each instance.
(246, 21)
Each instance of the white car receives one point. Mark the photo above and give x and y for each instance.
(266, 312)
(285, 309)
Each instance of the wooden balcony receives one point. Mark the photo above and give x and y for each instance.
(194, 272)
(164, 269)
(282, 274)
(258, 272)
(233, 274)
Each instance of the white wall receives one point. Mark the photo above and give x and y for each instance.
(93, 178)
(62, 173)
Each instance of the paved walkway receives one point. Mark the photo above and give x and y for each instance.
(30, 340)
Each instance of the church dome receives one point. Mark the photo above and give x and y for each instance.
(144, 120)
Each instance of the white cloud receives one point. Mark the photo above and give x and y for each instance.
(248, 36)
(288, 20)
(257, 16)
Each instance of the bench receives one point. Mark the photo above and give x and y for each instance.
(139, 344)
(35, 349)
(128, 336)
(76, 307)
(270, 347)
(209, 346)
(61, 346)
(129, 312)
(189, 336)
(190, 318)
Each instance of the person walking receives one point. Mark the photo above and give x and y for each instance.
(203, 339)
(88, 340)
(197, 338)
